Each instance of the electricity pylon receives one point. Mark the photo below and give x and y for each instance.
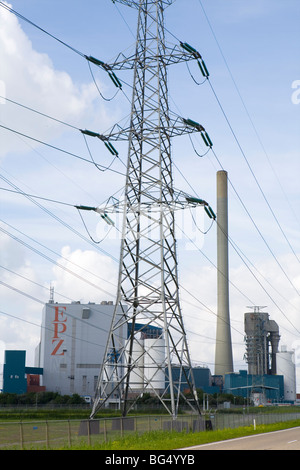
(147, 348)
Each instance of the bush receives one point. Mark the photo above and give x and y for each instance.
(42, 398)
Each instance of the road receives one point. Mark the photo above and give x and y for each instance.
(287, 439)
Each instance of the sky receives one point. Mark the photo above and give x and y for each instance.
(250, 107)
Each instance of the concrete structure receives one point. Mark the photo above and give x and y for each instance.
(73, 341)
(262, 339)
(286, 367)
(223, 352)
(147, 359)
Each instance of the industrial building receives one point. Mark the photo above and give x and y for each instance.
(262, 340)
(271, 374)
(286, 367)
(17, 378)
(71, 349)
(72, 345)
(74, 337)
(262, 389)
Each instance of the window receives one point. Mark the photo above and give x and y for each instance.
(84, 383)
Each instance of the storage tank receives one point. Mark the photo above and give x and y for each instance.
(154, 363)
(286, 367)
(136, 380)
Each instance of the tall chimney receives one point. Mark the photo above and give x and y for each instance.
(223, 352)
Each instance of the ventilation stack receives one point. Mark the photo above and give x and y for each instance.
(223, 353)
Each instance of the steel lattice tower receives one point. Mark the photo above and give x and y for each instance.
(147, 348)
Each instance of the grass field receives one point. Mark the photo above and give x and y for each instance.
(59, 430)
(159, 440)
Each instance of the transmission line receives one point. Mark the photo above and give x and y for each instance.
(98, 165)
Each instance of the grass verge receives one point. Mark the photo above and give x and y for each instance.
(161, 440)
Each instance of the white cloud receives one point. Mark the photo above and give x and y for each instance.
(85, 275)
(12, 255)
(21, 306)
(30, 78)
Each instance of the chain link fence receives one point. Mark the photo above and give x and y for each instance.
(67, 433)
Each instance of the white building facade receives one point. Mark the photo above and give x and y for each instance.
(285, 361)
(72, 346)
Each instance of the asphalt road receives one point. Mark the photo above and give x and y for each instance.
(287, 439)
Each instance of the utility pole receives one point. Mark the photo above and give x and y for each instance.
(147, 348)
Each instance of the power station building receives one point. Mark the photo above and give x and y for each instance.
(73, 341)
(72, 348)
(271, 374)
(262, 340)
(72, 345)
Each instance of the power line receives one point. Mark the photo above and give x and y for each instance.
(251, 218)
(255, 130)
(216, 267)
(249, 166)
(84, 133)
(243, 258)
(47, 328)
(259, 231)
(19, 192)
(245, 107)
(43, 255)
(89, 64)
(253, 174)
(99, 166)
(21, 292)
(22, 193)
(11, 10)
(57, 218)
(39, 112)
(89, 59)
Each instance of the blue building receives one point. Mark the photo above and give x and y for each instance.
(16, 375)
(244, 384)
(202, 377)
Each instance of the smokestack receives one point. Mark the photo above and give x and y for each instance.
(223, 353)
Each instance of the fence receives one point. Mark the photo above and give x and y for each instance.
(66, 433)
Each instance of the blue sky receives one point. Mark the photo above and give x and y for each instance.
(250, 110)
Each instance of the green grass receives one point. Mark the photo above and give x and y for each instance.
(35, 430)
(50, 414)
(161, 440)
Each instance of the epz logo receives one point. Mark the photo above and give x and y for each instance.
(60, 327)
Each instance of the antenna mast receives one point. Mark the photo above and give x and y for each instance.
(147, 348)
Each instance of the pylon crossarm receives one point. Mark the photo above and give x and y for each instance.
(177, 126)
(138, 4)
(173, 55)
(147, 209)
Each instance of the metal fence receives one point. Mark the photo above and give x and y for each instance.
(67, 433)
(235, 420)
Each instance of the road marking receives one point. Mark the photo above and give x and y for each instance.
(241, 438)
(290, 442)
